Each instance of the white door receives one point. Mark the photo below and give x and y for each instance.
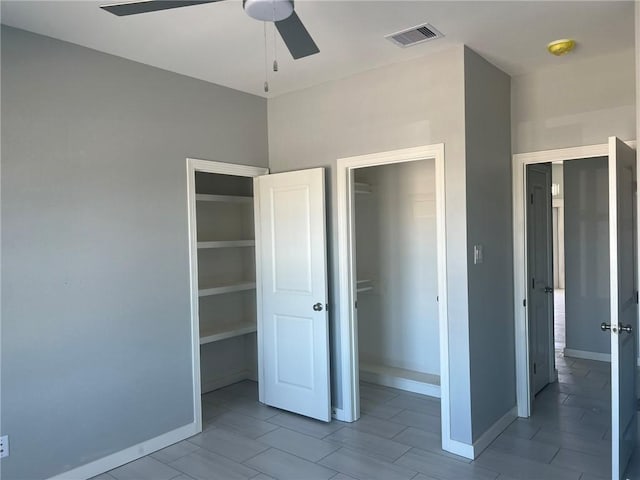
(623, 323)
(293, 329)
(540, 273)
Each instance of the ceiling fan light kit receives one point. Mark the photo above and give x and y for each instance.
(268, 10)
(280, 12)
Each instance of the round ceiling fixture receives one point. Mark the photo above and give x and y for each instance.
(268, 10)
(560, 47)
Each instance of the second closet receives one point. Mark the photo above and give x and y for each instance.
(397, 277)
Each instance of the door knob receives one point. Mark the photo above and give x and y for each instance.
(607, 326)
(626, 328)
(317, 307)
(548, 289)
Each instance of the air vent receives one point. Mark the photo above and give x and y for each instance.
(414, 35)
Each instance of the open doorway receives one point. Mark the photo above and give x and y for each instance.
(569, 288)
(584, 403)
(385, 356)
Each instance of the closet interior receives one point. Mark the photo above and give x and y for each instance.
(226, 279)
(397, 277)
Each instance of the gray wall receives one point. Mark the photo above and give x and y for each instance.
(95, 301)
(489, 224)
(398, 319)
(586, 230)
(577, 103)
(404, 105)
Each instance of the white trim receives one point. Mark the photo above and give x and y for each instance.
(197, 165)
(496, 429)
(424, 384)
(520, 161)
(458, 448)
(347, 282)
(338, 414)
(127, 455)
(258, 252)
(601, 357)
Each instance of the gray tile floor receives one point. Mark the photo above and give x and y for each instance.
(398, 437)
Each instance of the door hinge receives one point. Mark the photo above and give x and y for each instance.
(524, 302)
(531, 197)
(534, 368)
(636, 296)
(355, 305)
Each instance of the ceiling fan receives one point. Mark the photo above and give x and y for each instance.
(281, 12)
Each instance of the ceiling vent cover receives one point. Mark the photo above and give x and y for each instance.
(414, 35)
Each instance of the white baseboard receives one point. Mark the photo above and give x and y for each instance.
(458, 448)
(496, 429)
(601, 357)
(226, 380)
(130, 454)
(339, 414)
(424, 384)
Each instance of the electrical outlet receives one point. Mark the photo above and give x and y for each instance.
(4, 446)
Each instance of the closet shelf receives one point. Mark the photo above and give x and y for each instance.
(227, 244)
(361, 187)
(363, 286)
(228, 288)
(204, 197)
(222, 332)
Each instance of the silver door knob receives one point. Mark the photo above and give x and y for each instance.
(626, 328)
(317, 307)
(548, 289)
(605, 326)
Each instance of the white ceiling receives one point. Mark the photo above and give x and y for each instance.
(219, 43)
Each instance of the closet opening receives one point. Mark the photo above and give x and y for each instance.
(397, 277)
(393, 291)
(223, 276)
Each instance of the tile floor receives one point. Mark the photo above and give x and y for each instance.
(398, 437)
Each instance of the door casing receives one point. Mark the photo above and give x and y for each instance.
(350, 410)
(520, 274)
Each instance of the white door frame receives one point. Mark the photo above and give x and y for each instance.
(520, 162)
(347, 283)
(195, 165)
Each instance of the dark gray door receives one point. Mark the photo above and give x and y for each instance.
(540, 275)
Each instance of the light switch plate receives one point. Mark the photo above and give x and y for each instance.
(4, 446)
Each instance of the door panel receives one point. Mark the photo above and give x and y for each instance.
(293, 333)
(540, 274)
(624, 315)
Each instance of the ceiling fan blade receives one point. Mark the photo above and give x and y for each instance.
(296, 37)
(132, 8)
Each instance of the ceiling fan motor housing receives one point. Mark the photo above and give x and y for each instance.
(268, 10)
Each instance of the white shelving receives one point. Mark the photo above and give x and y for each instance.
(363, 286)
(361, 187)
(222, 332)
(203, 197)
(227, 288)
(227, 244)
